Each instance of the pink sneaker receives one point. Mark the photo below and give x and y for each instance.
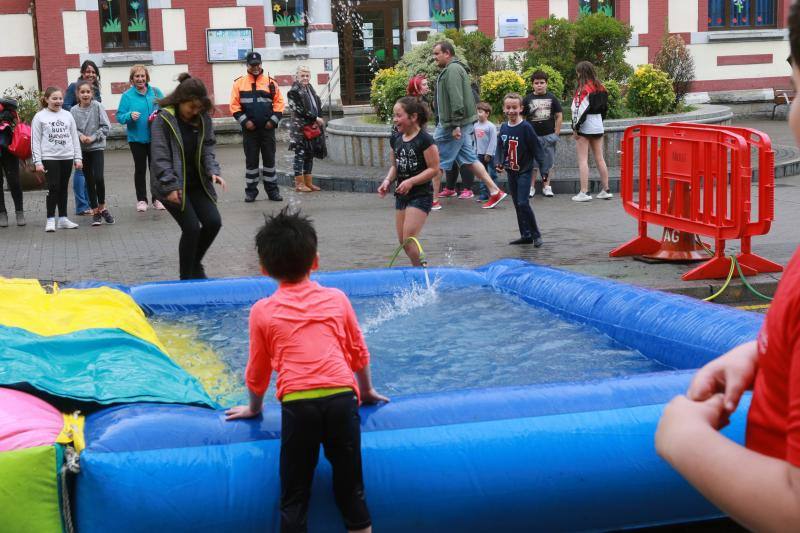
(141, 207)
(158, 205)
(494, 199)
(436, 205)
(447, 193)
(466, 194)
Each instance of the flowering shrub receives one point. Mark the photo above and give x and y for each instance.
(388, 86)
(615, 101)
(495, 85)
(555, 82)
(650, 91)
(676, 60)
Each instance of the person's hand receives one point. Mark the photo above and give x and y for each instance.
(269, 125)
(85, 139)
(219, 181)
(730, 374)
(373, 396)
(78, 164)
(384, 187)
(487, 158)
(320, 121)
(135, 115)
(174, 197)
(499, 168)
(240, 411)
(250, 125)
(682, 417)
(457, 132)
(403, 187)
(39, 168)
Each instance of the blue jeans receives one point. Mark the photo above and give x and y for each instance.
(519, 185)
(79, 188)
(483, 191)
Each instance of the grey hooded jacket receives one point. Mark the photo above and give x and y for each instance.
(167, 168)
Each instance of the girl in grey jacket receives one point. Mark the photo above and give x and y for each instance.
(184, 170)
(93, 126)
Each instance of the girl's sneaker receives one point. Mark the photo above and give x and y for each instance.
(604, 195)
(97, 219)
(582, 197)
(107, 216)
(50, 226)
(548, 191)
(158, 205)
(65, 223)
(141, 207)
(466, 194)
(447, 193)
(436, 205)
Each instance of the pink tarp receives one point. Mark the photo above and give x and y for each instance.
(27, 421)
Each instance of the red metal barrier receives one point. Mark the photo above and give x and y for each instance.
(696, 179)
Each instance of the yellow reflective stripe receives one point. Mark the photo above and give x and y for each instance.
(73, 431)
(312, 394)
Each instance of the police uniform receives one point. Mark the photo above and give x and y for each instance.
(257, 99)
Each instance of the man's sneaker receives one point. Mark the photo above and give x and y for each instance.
(51, 225)
(548, 191)
(158, 205)
(494, 199)
(436, 205)
(533, 192)
(107, 216)
(538, 242)
(141, 206)
(604, 195)
(97, 219)
(522, 240)
(582, 197)
(466, 194)
(20, 218)
(3, 219)
(65, 223)
(447, 193)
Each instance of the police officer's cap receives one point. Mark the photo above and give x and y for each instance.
(253, 58)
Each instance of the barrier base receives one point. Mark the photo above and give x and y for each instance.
(758, 263)
(716, 268)
(679, 246)
(637, 246)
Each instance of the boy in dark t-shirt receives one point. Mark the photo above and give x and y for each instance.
(543, 110)
(517, 151)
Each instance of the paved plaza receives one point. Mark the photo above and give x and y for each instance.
(356, 230)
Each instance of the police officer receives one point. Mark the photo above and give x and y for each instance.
(258, 105)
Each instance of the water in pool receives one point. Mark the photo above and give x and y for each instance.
(425, 340)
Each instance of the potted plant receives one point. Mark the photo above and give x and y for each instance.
(28, 105)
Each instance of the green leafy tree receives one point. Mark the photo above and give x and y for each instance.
(28, 101)
(616, 104)
(478, 50)
(675, 59)
(419, 60)
(553, 44)
(388, 86)
(555, 81)
(603, 41)
(650, 91)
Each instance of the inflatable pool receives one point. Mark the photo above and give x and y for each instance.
(557, 457)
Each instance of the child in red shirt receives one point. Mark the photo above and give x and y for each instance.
(310, 336)
(757, 485)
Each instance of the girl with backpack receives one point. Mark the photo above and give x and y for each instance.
(589, 106)
(9, 163)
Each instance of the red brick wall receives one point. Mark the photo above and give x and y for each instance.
(15, 7)
(53, 62)
(486, 22)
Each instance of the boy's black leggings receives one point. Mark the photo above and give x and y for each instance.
(57, 173)
(93, 167)
(200, 222)
(334, 422)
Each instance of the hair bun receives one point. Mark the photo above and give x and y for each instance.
(183, 76)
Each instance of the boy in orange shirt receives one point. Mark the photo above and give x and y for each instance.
(310, 336)
(757, 485)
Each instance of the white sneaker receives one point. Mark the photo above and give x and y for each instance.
(158, 205)
(548, 191)
(604, 195)
(141, 206)
(533, 192)
(50, 226)
(582, 197)
(65, 223)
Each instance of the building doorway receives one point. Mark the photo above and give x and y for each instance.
(377, 44)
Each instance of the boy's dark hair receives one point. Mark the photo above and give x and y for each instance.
(446, 47)
(794, 32)
(188, 89)
(287, 245)
(540, 75)
(413, 106)
(485, 106)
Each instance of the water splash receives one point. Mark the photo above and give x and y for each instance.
(403, 303)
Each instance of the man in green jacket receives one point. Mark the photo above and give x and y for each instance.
(457, 110)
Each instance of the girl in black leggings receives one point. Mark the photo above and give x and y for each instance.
(184, 170)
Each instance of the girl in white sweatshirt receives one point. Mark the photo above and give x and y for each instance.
(56, 148)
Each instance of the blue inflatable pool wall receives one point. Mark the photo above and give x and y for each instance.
(564, 457)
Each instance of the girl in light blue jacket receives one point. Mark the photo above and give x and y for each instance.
(135, 108)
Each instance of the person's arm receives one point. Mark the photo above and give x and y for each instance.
(77, 154)
(390, 176)
(210, 162)
(124, 111)
(558, 113)
(259, 368)
(70, 98)
(358, 355)
(105, 126)
(298, 106)
(492, 148)
(36, 140)
(278, 104)
(162, 174)
(730, 374)
(760, 492)
(500, 155)
(534, 146)
(235, 105)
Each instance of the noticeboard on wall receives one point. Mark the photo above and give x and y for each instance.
(228, 44)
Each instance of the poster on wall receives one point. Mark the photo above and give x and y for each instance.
(228, 44)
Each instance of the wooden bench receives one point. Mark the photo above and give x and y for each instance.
(782, 97)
